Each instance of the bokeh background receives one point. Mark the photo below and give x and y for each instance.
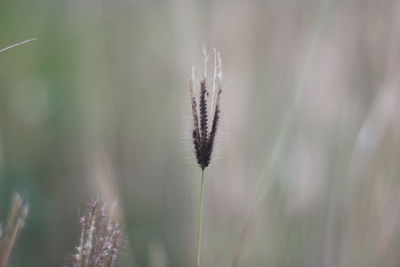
(307, 161)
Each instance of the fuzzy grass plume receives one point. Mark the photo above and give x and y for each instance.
(203, 132)
(100, 239)
(15, 224)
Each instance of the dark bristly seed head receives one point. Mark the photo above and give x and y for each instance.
(203, 140)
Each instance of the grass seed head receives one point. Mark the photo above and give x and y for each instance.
(204, 133)
(100, 239)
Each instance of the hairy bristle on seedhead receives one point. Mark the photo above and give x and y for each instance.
(100, 238)
(204, 133)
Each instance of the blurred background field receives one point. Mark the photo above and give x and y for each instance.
(98, 105)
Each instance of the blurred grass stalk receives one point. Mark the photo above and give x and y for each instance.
(17, 44)
(15, 224)
(262, 187)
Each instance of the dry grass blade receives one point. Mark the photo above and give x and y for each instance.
(15, 224)
(17, 44)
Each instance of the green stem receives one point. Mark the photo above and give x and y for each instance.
(200, 218)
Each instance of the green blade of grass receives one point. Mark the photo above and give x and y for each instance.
(261, 188)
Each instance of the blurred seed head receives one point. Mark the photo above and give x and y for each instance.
(12, 231)
(100, 240)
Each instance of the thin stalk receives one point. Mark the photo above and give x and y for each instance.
(17, 44)
(263, 184)
(200, 218)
